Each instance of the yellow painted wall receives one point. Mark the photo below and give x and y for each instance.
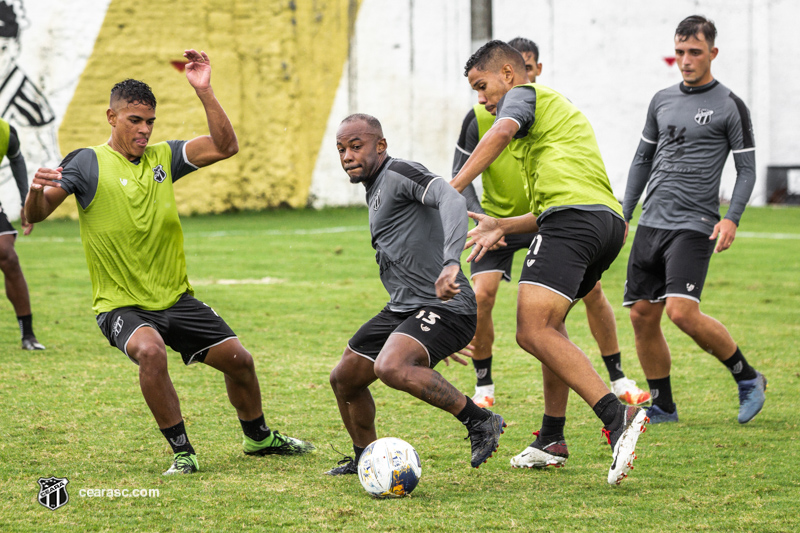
(276, 66)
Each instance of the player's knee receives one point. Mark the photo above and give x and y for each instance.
(8, 258)
(526, 341)
(643, 319)
(684, 318)
(390, 372)
(485, 297)
(151, 357)
(241, 364)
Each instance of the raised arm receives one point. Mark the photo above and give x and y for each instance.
(489, 148)
(221, 143)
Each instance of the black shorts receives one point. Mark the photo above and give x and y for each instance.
(667, 263)
(189, 327)
(440, 331)
(5, 226)
(500, 260)
(572, 250)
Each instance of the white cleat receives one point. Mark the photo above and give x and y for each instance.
(484, 396)
(623, 442)
(626, 390)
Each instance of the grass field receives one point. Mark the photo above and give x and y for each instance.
(75, 410)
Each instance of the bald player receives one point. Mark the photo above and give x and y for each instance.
(418, 225)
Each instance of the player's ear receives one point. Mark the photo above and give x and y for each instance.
(381, 145)
(714, 52)
(111, 117)
(507, 72)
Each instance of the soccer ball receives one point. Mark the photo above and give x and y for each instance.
(389, 468)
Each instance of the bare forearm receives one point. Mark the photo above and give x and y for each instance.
(490, 147)
(219, 125)
(37, 206)
(520, 224)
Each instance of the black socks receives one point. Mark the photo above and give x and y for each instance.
(255, 429)
(177, 438)
(483, 371)
(614, 365)
(739, 368)
(471, 414)
(661, 394)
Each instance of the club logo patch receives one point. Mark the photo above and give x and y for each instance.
(376, 200)
(482, 373)
(53, 492)
(180, 440)
(703, 116)
(118, 326)
(159, 174)
(690, 287)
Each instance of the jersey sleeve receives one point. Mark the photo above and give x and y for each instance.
(519, 105)
(180, 163)
(17, 163)
(650, 132)
(467, 141)
(743, 146)
(642, 164)
(431, 190)
(80, 175)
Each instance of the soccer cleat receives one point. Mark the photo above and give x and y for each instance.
(626, 390)
(30, 343)
(657, 415)
(346, 466)
(484, 438)
(538, 455)
(183, 463)
(484, 396)
(277, 444)
(751, 397)
(623, 443)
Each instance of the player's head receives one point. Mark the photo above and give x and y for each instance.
(12, 21)
(530, 53)
(361, 146)
(131, 113)
(494, 70)
(695, 50)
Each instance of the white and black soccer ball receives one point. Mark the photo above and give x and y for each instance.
(389, 468)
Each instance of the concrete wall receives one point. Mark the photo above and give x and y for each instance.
(281, 71)
(607, 57)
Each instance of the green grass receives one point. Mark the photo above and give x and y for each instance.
(75, 410)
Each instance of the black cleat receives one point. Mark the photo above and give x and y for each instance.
(346, 466)
(485, 438)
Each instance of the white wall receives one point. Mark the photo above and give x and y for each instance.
(55, 43)
(607, 57)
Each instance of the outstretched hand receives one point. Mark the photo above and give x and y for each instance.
(198, 69)
(726, 230)
(487, 235)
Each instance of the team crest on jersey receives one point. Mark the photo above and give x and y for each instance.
(703, 116)
(159, 174)
(376, 200)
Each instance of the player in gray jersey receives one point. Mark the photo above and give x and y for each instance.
(418, 224)
(690, 129)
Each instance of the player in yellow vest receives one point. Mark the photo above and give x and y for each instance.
(16, 286)
(133, 241)
(580, 233)
(504, 196)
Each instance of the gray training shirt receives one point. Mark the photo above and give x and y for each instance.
(418, 224)
(685, 142)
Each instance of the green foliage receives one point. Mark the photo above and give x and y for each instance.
(75, 410)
